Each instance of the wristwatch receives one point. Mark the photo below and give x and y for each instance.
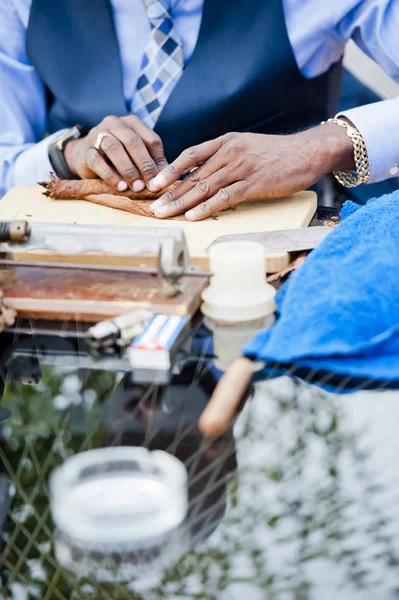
(57, 148)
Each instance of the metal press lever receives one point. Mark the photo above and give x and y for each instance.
(69, 239)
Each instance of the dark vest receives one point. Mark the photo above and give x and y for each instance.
(242, 76)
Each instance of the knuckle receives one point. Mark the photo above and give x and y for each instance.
(230, 136)
(172, 169)
(154, 141)
(161, 162)
(248, 136)
(109, 121)
(218, 179)
(110, 144)
(131, 120)
(170, 196)
(107, 174)
(252, 158)
(93, 159)
(129, 172)
(148, 167)
(205, 207)
(178, 203)
(191, 152)
(156, 149)
(240, 161)
(203, 187)
(132, 139)
(223, 196)
(244, 189)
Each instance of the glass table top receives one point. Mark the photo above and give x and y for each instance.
(297, 500)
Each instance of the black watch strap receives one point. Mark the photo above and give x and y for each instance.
(57, 148)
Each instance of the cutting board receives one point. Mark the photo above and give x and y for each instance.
(28, 203)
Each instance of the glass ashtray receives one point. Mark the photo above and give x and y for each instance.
(119, 507)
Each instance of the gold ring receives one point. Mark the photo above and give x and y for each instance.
(99, 141)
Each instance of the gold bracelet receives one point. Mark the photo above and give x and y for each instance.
(347, 178)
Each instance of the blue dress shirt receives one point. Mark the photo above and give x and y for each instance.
(317, 31)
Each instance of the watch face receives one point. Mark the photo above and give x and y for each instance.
(70, 135)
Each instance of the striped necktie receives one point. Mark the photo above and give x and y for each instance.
(162, 64)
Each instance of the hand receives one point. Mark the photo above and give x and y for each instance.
(245, 166)
(131, 156)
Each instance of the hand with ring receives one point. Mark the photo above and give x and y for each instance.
(237, 167)
(122, 151)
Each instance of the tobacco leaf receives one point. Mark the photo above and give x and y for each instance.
(137, 207)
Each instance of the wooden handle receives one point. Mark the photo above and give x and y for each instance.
(226, 398)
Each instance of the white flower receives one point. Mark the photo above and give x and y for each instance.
(18, 591)
(61, 402)
(22, 514)
(37, 570)
(6, 432)
(89, 397)
(45, 547)
(71, 385)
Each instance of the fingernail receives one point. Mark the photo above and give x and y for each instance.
(122, 186)
(160, 211)
(156, 204)
(158, 181)
(138, 185)
(151, 185)
(190, 215)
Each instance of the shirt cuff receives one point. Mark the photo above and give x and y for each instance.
(378, 123)
(33, 163)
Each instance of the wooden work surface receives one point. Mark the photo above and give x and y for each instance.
(28, 203)
(90, 296)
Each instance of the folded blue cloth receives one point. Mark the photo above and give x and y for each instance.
(339, 313)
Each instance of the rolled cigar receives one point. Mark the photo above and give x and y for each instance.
(137, 207)
(78, 189)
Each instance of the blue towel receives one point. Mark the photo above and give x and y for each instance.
(339, 313)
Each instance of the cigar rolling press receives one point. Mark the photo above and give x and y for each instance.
(90, 273)
(66, 239)
(156, 302)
